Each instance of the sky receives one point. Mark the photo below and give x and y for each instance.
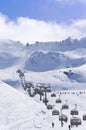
(42, 20)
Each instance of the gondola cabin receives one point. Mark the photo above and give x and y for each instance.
(38, 91)
(65, 106)
(55, 112)
(74, 112)
(48, 90)
(32, 95)
(53, 95)
(49, 107)
(45, 100)
(84, 117)
(63, 118)
(58, 101)
(41, 93)
(75, 121)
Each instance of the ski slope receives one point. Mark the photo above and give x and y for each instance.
(62, 65)
(17, 110)
(21, 112)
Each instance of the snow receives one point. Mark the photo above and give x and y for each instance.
(17, 109)
(48, 60)
(78, 53)
(62, 65)
(10, 46)
(20, 112)
(7, 60)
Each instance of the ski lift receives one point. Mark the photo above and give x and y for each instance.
(84, 117)
(65, 106)
(74, 112)
(75, 121)
(45, 100)
(48, 90)
(28, 84)
(63, 117)
(49, 107)
(38, 91)
(53, 95)
(55, 112)
(32, 95)
(58, 101)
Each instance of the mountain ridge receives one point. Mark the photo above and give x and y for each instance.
(40, 58)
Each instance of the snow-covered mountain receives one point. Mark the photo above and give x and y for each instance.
(8, 60)
(44, 59)
(61, 65)
(68, 44)
(10, 46)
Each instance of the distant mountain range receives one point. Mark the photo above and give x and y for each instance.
(43, 56)
(69, 54)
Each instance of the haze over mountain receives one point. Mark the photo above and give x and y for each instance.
(45, 59)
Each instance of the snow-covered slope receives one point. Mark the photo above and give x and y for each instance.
(68, 44)
(8, 60)
(62, 65)
(10, 46)
(20, 112)
(17, 110)
(55, 57)
(63, 79)
(41, 61)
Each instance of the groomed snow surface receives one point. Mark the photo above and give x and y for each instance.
(18, 111)
(60, 64)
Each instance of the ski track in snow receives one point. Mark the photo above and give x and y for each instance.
(41, 118)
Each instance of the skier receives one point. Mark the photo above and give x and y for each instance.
(69, 127)
(61, 123)
(52, 125)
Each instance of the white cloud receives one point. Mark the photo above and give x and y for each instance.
(30, 30)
